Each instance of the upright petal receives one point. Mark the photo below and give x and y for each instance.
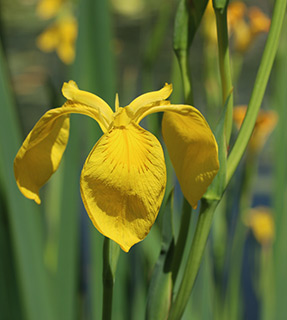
(123, 183)
(144, 102)
(41, 152)
(71, 91)
(192, 149)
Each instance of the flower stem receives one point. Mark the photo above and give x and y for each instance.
(224, 67)
(259, 88)
(110, 259)
(194, 258)
(182, 238)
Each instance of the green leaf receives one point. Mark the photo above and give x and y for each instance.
(24, 216)
(68, 252)
(280, 185)
(217, 187)
(10, 304)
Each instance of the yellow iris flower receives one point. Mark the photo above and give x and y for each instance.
(124, 177)
(61, 37)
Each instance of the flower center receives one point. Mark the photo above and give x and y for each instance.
(121, 118)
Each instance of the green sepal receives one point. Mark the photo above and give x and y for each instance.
(187, 20)
(160, 288)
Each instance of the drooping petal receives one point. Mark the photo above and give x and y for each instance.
(71, 91)
(138, 106)
(41, 152)
(123, 183)
(192, 149)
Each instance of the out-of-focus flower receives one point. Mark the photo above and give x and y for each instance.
(236, 12)
(259, 22)
(242, 36)
(265, 124)
(261, 222)
(244, 24)
(47, 9)
(124, 177)
(61, 37)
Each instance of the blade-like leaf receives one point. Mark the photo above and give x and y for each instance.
(160, 289)
(24, 217)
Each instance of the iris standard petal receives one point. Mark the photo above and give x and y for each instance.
(123, 183)
(71, 91)
(41, 152)
(139, 105)
(193, 151)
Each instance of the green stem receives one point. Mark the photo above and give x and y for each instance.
(259, 88)
(182, 238)
(110, 259)
(182, 56)
(224, 67)
(194, 258)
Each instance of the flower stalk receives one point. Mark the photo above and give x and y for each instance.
(259, 88)
(110, 259)
(224, 67)
(194, 259)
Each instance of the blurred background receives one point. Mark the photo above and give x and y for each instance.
(51, 255)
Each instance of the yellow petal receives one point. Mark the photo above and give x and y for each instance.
(193, 151)
(145, 101)
(71, 91)
(40, 155)
(41, 152)
(123, 183)
(49, 39)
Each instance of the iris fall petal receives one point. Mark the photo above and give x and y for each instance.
(123, 183)
(41, 152)
(193, 152)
